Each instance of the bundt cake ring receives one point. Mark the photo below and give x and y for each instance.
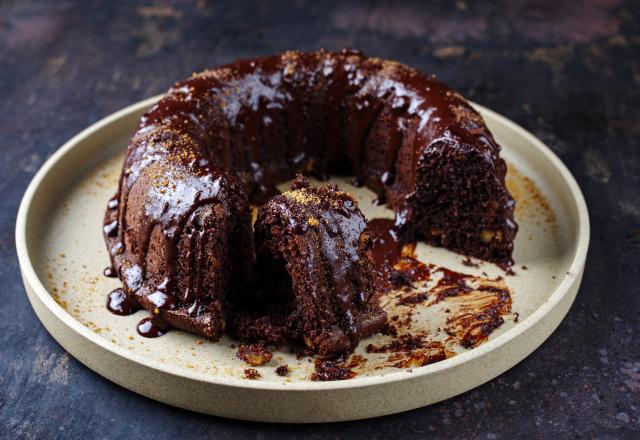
(179, 229)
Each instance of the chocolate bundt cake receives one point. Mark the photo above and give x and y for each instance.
(314, 272)
(179, 229)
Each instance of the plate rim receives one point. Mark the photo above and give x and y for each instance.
(30, 276)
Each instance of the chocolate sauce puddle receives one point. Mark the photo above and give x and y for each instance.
(394, 261)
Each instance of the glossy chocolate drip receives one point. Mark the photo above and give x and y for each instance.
(111, 229)
(387, 248)
(121, 303)
(395, 261)
(152, 327)
(110, 272)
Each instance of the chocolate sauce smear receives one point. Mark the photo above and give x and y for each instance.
(408, 351)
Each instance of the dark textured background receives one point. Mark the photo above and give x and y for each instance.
(568, 73)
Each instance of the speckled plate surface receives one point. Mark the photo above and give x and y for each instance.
(62, 255)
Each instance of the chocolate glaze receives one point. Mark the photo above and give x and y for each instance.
(227, 136)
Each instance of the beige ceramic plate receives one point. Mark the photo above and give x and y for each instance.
(62, 255)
